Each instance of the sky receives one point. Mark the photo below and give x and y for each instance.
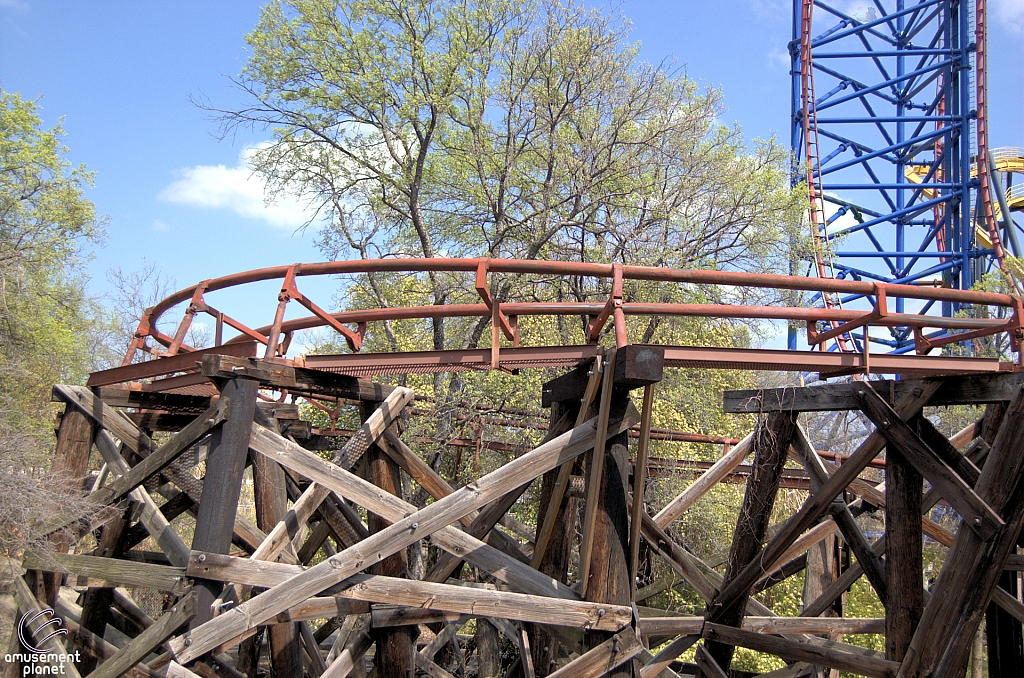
(121, 76)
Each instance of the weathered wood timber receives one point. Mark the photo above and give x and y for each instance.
(395, 646)
(132, 653)
(280, 376)
(399, 535)
(611, 580)
(707, 480)
(456, 542)
(872, 565)
(229, 447)
(973, 566)
(270, 499)
(370, 431)
(771, 442)
(114, 571)
(835, 655)
(445, 597)
(903, 553)
(819, 501)
(978, 515)
(603, 659)
(838, 397)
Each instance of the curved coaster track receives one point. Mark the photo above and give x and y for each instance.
(320, 580)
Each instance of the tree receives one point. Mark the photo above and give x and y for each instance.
(499, 129)
(50, 330)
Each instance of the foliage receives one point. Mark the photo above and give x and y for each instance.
(48, 326)
(50, 330)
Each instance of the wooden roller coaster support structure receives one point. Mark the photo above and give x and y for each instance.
(322, 582)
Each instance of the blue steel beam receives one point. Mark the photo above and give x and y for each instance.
(896, 86)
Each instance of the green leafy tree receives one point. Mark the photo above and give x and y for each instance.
(50, 330)
(491, 128)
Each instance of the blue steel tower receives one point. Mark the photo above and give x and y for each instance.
(887, 124)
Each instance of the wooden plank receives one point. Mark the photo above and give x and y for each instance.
(368, 433)
(668, 654)
(395, 646)
(836, 656)
(114, 421)
(978, 515)
(70, 461)
(903, 553)
(135, 651)
(345, 662)
(180, 363)
(973, 566)
(707, 664)
(349, 486)
(604, 658)
(639, 479)
(594, 469)
(163, 455)
(176, 670)
(771, 443)
(215, 519)
(420, 524)
(27, 602)
(681, 626)
(552, 506)
(438, 488)
(118, 572)
(270, 496)
(97, 600)
(171, 402)
(99, 649)
(556, 521)
(525, 655)
(398, 615)
(819, 474)
(283, 376)
(963, 390)
(610, 579)
(721, 468)
(820, 501)
(411, 593)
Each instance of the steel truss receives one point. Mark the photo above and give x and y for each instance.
(887, 119)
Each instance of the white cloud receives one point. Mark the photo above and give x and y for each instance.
(1010, 14)
(236, 188)
(159, 226)
(779, 59)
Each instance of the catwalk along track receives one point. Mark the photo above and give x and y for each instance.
(319, 581)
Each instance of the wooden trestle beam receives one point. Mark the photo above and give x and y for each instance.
(309, 561)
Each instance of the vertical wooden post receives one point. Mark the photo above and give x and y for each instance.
(229, 446)
(395, 647)
(97, 600)
(271, 495)
(609, 561)
(488, 656)
(903, 554)
(818, 577)
(1003, 631)
(555, 561)
(70, 460)
(771, 442)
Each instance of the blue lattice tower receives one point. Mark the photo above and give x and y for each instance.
(887, 121)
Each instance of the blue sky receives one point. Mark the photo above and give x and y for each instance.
(120, 74)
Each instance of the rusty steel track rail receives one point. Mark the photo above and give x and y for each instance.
(352, 325)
